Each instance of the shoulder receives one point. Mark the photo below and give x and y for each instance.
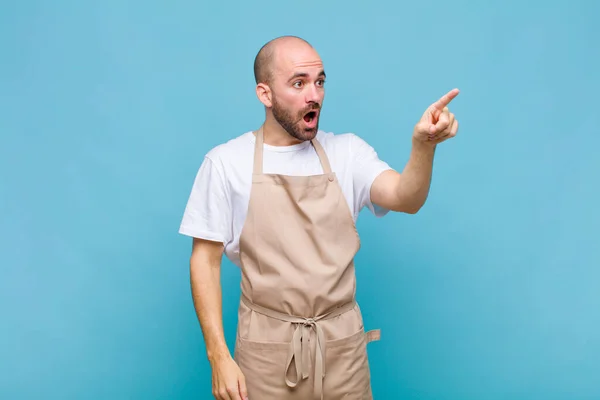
(231, 155)
(355, 151)
(230, 150)
(224, 160)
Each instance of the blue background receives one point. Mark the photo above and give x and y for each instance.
(107, 108)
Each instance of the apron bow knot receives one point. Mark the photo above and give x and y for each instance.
(299, 353)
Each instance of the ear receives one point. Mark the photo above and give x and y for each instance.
(263, 92)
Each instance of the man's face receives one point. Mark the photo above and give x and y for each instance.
(298, 90)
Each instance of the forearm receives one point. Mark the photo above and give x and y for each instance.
(207, 297)
(413, 185)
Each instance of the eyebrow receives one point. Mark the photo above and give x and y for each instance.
(305, 75)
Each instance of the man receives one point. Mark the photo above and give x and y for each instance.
(281, 202)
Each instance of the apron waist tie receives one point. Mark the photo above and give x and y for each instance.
(298, 350)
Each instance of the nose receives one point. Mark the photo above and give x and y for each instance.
(313, 94)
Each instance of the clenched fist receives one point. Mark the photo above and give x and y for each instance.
(437, 123)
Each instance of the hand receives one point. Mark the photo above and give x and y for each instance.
(437, 123)
(228, 380)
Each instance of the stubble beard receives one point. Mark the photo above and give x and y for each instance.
(293, 125)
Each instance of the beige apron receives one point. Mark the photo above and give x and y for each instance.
(300, 332)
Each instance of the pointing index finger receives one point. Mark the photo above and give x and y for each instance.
(444, 100)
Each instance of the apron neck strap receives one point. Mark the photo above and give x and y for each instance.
(258, 154)
(322, 156)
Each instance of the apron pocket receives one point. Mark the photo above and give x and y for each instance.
(263, 366)
(347, 375)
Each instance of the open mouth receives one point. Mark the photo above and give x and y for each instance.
(310, 116)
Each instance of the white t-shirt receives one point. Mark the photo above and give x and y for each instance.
(217, 206)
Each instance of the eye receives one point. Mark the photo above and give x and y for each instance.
(297, 84)
(321, 82)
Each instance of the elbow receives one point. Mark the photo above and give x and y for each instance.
(409, 205)
(406, 208)
(412, 209)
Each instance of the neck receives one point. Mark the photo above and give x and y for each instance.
(275, 135)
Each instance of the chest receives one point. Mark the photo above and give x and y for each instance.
(301, 163)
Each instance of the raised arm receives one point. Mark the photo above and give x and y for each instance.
(205, 277)
(408, 191)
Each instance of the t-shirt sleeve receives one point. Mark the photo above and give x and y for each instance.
(208, 214)
(366, 167)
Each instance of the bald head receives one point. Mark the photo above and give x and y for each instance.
(265, 59)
